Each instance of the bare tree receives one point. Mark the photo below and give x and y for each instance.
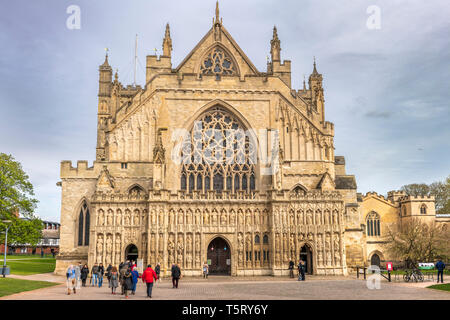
(416, 241)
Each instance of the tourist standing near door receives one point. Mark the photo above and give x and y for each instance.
(205, 270)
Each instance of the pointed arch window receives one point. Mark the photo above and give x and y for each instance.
(83, 225)
(219, 152)
(423, 209)
(217, 62)
(257, 241)
(373, 224)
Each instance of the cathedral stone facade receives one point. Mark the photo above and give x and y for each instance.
(213, 161)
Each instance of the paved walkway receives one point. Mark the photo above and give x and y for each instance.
(233, 288)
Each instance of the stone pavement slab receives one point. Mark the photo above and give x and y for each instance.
(251, 288)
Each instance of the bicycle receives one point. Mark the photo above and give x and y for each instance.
(413, 275)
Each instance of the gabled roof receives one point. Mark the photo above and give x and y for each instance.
(207, 42)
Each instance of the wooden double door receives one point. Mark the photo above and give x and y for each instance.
(219, 257)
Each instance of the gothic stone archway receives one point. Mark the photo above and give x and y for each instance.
(219, 257)
(307, 256)
(131, 252)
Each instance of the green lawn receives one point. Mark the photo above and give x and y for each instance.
(26, 265)
(10, 286)
(442, 286)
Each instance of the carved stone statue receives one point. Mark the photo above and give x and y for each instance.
(189, 243)
(100, 248)
(109, 221)
(100, 218)
(118, 218)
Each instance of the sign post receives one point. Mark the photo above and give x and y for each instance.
(389, 268)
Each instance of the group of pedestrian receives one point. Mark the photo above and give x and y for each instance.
(301, 267)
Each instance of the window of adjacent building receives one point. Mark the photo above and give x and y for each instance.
(83, 225)
(218, 155)
(373, 224)
(124, 165)
(423, 209)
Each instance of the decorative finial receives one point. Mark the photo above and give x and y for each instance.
(275, 47)
(217, 11)
(167, 42)
(304, 83)
(315, 70)
(116, 75)
(156, 51)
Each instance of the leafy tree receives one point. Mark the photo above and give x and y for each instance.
(439, 189)
(416, 241)
(16, 194)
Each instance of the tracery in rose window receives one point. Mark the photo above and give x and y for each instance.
(218, 154)
(218, 63)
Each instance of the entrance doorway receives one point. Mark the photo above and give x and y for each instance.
(131, 253)
(219, 257)
(375, 260)
(306, 256)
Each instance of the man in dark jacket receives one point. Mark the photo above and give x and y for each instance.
(301, 271)
(108, 274)
(94, 274)
(291, 269)
(176, 274)
(127, 282)
(158, 271)
(440, 266)
(147, 277)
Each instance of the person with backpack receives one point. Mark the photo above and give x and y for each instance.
(71, 279)
(147, 277)
(127, 283)
(113, 280)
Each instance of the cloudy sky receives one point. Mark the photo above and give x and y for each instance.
(386, 90)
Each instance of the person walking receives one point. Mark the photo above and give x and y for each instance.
(94, 275)
(301, 271)
(71, 279)
(122, 271)
(205, 270)
(127, 282)
(157, 271)
(101, 272)
(147, 277)
(440, 266)
(108, 273)
(113, 280)
(291, 269)
(135, 278)
(176, 275)
(84, 275)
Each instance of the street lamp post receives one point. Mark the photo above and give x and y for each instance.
(8, 222)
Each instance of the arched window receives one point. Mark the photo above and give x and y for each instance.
(373, 224)
(257, 239)
(265, 239)
(404, 211)
(220, 153)
(217, 62)
(423, 209)
(83, 225)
